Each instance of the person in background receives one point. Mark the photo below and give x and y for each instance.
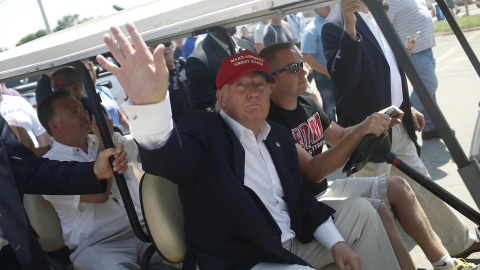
(108, 101)
(18, 112)
(467, 2)
(69, 78)
(312, 50)
(44, 86)
(188, 46)
(258, 35)
(296, 22)
(408, 17)
(9, 91)
(246, 35)
(178, 49)
(177, 87)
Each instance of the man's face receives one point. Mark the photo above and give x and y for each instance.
(70, 119)
(247, 100)
(168, 53)
(244, 32)
(288, 83)
(323, 11)
(76, 88)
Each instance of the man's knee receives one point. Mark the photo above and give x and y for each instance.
(398, 190)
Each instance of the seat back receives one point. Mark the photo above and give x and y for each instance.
(45, 222)
(163, 214)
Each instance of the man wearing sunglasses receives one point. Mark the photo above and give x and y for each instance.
(311, 129)
(69, 79)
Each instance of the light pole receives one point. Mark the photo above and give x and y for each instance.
(44, 17)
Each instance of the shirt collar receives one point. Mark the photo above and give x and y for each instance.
(91, 141)
(225, 46)
(238, 129)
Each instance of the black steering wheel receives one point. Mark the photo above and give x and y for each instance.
(370, 149)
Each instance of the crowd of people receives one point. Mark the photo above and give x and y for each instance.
(242, 136)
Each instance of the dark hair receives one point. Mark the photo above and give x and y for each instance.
(270, 51)
(70, 73)
(45, 110)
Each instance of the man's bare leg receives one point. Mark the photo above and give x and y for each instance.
(399, 247)
(413, 220)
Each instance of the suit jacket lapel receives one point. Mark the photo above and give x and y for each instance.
(238, 154)
(363, 28)
(278, 158)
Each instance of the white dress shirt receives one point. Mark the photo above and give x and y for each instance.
(81, 221)
(260, 173)
(395, 79)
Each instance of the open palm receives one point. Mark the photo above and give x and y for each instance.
(143, 75)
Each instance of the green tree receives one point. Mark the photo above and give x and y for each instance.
(66, 22)
(69, 21)
(3, 49)
(30, 37)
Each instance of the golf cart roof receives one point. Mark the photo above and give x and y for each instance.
(157, 21)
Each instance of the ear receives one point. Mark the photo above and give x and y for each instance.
(220, 98)
(53, 126)
(273, 86)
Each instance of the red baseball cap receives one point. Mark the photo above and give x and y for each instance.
(236, 66)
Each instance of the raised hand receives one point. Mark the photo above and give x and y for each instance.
(143, 75)
(349, 7)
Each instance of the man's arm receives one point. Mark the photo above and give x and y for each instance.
(315, 64)
(344, 142)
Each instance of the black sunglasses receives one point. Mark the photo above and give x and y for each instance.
(293, 68)
(61, 87)
(167, 44)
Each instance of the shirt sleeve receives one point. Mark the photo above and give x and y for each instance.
(327, 234)
(309, 42)
(151, 125)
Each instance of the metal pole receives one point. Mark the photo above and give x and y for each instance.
(44, 17)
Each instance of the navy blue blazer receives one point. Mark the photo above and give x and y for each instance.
(226, 224)
(202, 67)
(360, 73)
(22, 172)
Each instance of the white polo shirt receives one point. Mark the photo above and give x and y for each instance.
(81, 221)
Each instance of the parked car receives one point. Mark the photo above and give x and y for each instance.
(26, 88)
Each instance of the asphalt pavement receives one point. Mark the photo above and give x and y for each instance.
(458, 97)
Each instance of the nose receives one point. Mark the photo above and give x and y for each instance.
(302, 72)
(253, 91)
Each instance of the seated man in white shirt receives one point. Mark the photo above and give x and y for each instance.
(96, 227)
(238, 175)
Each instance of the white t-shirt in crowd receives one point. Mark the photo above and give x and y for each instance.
(18, 112)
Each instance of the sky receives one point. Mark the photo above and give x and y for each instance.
(19, 18)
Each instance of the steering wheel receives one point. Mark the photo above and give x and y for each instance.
(370, 149)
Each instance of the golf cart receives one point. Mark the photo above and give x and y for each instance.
(162, 21)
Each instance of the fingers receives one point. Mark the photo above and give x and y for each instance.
(123, 42)
(137, 40)
(112, 68)
(159, 60)
(351, 6)
(116, 52)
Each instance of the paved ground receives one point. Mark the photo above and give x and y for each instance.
(458, 97)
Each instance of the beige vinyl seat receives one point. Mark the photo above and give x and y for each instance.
(163, 214)
(45, 222)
